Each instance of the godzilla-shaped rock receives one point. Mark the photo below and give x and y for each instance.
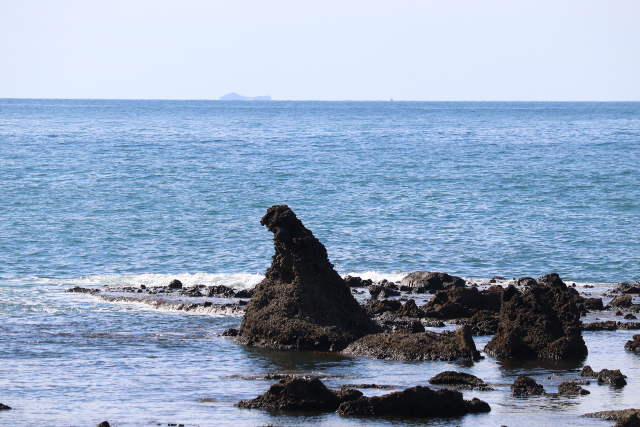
(400, 345)
(541, 322)
(633, 345)
(415, 402)
(526, 386)
(300, 394)
(461, 380)
(302, 303)
(422, 281)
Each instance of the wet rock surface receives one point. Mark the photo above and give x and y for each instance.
(624, 417)
(423, 281)
(621, 301)
(300, 394)
(4, 407)
(570, 388)
(626, 288)
(614, 378)
(104, 424)
(447, 345)
(456, 303)
(390, 322)
(415, 402)
(541, 322)
(633, 345)
(525, 386)
(460, 380)
(302, 303)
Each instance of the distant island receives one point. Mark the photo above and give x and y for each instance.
(235, 97)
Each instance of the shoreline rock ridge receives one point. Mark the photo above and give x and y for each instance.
(302, 303)
(541, 322)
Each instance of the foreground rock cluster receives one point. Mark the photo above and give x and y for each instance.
(311, 395)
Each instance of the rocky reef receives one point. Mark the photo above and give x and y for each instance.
(460, 380)
(526, 386)
(541, 322)
(302, 303)
(614, 378)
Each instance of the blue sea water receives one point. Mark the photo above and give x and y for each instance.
(98, 192)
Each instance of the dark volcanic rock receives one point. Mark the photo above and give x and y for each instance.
(391, 322)
(175, 284)
(633, 345)
(614, 378)
(612, 415)
(456, 303)
(621, 301)
(525, 281)
(104, 424)
(526, 386)
(460, 380)
(419, 346)
(220, 291)
(244, 293)
(300, 394)
(231, 332)
(629, 326)
(302, 303)
(79, 290)
(541, 322)
(376, 306)
(593, 304)
(569, 388)
(379, 291)
(626, 288)
(431, 280)
(4, 407)
(415, 402)
(609, 325)
(631, 420)
(357, 282)
(484, 323)
(410, 309)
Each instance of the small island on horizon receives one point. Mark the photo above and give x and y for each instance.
(235, 97)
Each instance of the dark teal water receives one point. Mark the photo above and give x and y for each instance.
(101, 192)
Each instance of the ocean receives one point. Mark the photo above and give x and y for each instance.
(121, 192)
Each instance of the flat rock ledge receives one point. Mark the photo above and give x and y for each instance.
(460, 380)
(303, 303)
(541, 322)
(415, 402)
(400, 345)
(300, 395)
(624, 417)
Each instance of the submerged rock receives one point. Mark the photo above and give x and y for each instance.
(400, 345)
(461, 380)
(541, 322)
(458, 303)
(415, 402)
(300, 394)
(526, 386)
(570, 388)
(302, 303)
(422, 281)
(614, 378)
(633, 345)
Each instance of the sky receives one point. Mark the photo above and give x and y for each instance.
(426, 50)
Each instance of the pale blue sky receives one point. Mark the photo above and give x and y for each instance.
(560, 50)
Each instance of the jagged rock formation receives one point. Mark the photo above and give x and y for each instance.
(626, 288)
(456, 303)
(376, 306)
(570, 388)
(461, 380)
(410, 309)
(633, 345)
(300, 394)
(415, 402)
(4, 407)
(614, 378)
(526, 386)
(421, 281)
(621, 301)
(541, 322)
(416, 346)
(302, 303)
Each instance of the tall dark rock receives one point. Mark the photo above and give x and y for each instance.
(541, 322)
(302, 303)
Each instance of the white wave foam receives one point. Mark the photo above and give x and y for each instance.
(377, 276)
(232, 280)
